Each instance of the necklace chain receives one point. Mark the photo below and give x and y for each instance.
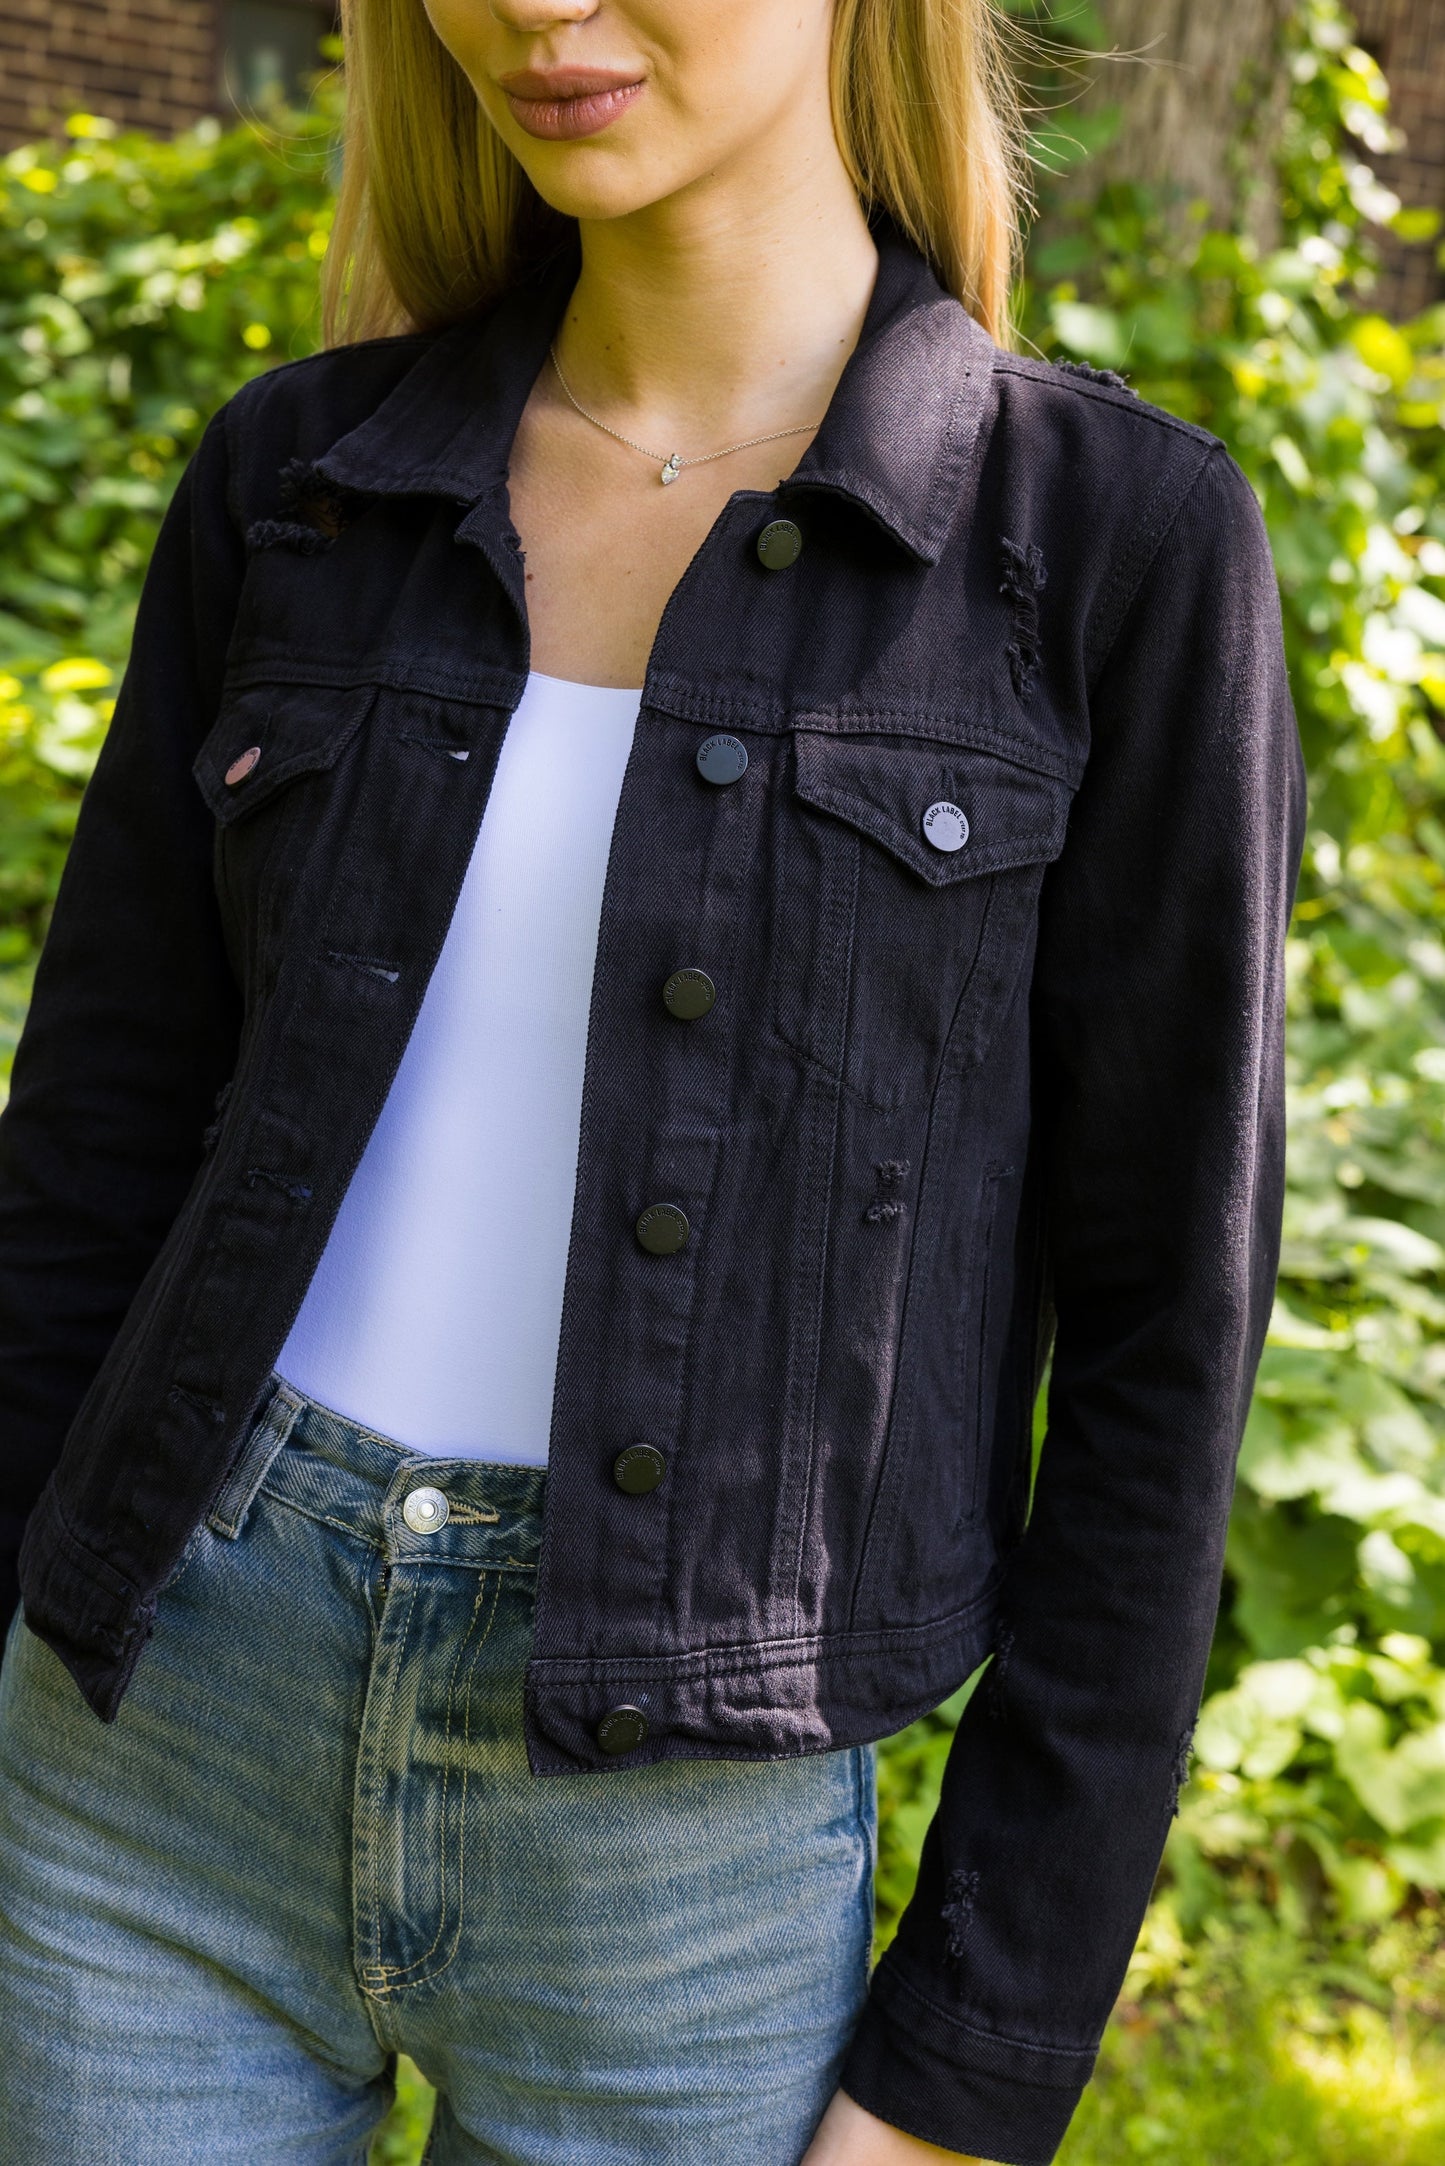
(673, 463)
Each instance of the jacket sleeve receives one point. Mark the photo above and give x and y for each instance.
(1158, 1123)
(134, 1018)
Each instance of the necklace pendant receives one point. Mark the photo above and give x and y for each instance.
(671, 469)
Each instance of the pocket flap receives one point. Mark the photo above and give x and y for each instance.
(267, 734)
(990, 813)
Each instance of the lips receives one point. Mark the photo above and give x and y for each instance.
(559, 104)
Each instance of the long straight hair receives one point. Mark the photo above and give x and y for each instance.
(435, 216)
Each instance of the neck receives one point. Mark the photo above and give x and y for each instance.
(726, 309)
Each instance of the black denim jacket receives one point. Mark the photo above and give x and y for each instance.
(950, 1105)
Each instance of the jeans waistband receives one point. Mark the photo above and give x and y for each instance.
(477, 1513)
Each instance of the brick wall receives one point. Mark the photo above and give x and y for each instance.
(145, 63)
(1407, 37)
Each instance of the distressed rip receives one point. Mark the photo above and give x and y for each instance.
(317, 510)
(957, 1912)
(1179, 1772)
(1094, 375)
(1024, 579)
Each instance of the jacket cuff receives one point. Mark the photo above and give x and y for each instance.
(921, 2069)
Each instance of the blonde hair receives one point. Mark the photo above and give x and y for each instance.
(435, 216)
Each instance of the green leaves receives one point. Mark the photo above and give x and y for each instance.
(140, 282)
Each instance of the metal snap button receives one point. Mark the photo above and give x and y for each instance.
(426, 1511)
(688, 994)
(622, 1729)
(945, 826)
(241, 766)
(721, 759)
(780, 544)
(638, 1469)
(662, 1229)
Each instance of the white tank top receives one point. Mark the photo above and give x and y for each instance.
(434, 1313)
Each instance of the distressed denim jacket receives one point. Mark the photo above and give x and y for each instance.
(952, 1106)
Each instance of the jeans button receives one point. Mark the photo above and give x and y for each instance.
(426, 1511)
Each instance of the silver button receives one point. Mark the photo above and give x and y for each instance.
(426, 1511)
(945, 826)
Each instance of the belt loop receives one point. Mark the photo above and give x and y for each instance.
(269, 1431)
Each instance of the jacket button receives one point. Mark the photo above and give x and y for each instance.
(662, 1229)
(945, 826)
(426, 1511)
(241, 766)
(721, 759)
(780, 544)
(638, 1469)
(622, 1730)
(688, 994)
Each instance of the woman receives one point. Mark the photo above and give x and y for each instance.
(690, 869)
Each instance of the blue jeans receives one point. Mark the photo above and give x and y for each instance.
(310, 1841)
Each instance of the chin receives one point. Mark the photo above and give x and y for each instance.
(599, 196)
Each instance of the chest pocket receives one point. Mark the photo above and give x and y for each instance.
(263, 772)
(910, 872)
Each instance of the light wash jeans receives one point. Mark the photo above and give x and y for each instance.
(311, 1841)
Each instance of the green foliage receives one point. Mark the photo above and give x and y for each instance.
(402, 2138)
(1233, 2047)
(141, 281)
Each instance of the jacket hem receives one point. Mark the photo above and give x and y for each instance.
(86, 1612)
(775, 1700)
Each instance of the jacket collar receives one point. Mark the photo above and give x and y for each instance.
(895, 439)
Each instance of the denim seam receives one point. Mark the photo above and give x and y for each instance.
(865, 1779)
(1123, 588)
(238, 1492)
(791, 1653)
(364, 1821)
(399, 1975)
(318, 1518)
(894, 1453)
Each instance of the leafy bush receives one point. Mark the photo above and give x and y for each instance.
(141, 281)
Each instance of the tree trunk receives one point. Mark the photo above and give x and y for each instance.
(1200, 87)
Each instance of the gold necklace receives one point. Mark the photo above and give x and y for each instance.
(674, 463)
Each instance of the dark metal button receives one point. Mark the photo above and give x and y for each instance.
(241, 766)
(622, 1730)
(722, 758)
(638, 1469)
(780, 544)
(688, 994)
(945, 826)
(662, 1229)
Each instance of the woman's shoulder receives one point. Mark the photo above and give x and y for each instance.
(1108, 479)
(292, 413)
